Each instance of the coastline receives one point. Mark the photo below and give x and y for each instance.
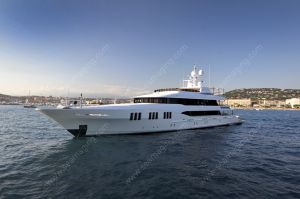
(261, 109)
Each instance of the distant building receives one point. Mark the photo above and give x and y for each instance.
(93, 101)
(246, 102)
(271, 103)
(293, 102)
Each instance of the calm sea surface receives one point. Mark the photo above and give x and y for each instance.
(259, 159)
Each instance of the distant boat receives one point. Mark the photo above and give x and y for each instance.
(258, 109)
(27, 104)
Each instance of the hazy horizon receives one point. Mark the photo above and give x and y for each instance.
(109, 95)
(127, 48)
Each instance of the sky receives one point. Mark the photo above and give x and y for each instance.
(120, 48)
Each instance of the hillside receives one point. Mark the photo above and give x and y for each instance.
(260, 93)
(10, 99)
(4, 97)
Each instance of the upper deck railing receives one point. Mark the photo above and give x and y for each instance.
(213, 90)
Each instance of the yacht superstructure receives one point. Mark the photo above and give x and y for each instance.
(191, 106)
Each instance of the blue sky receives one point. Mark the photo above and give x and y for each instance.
(119, 48)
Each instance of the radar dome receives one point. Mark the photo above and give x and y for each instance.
(200, 72)
(193, 73)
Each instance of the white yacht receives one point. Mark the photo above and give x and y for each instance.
(191, 106)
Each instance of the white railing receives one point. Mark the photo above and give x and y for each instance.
(217, 91)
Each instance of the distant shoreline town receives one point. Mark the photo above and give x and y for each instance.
(254, 98)
(263, 98)
(54, 101)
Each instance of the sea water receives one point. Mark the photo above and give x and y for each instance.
(258, 159)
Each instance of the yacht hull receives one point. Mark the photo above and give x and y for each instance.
(192, 106)
(89, 121)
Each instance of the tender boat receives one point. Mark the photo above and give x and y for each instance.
(191, 106)
(29, 106)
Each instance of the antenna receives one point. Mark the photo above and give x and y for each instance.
(209, 75)
(183, 75)
(67, 98)
(80, 100)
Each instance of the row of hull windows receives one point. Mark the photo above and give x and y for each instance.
(167, 115)
(201, 113)
(164, 100)
(135, 116)
(153, 116)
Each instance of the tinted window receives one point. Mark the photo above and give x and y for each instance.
(131, 116)
(201, 113)
(153, 115)
(183, 101)
(135, 116)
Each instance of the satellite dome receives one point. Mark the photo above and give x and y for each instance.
(193, 73)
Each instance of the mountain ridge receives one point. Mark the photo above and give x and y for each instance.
(263, 93)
